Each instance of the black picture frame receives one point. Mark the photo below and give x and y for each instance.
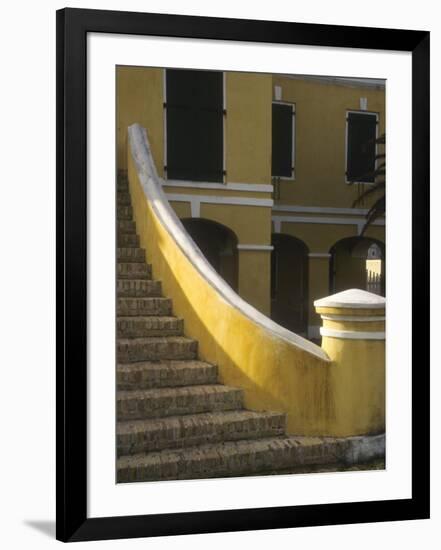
(71, 429)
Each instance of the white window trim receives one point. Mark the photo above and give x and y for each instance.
(368, 113)
(224, 121)
(293, 152)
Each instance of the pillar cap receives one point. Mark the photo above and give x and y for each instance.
(353, 298)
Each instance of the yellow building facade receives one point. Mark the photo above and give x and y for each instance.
(280, 241)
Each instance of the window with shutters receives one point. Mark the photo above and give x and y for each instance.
(194, 125)
(283, 140)
(361, 135)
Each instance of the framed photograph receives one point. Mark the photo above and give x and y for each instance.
(242, 322)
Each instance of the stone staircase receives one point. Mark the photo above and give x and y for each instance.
(174, 419)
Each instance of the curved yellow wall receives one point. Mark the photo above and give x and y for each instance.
(276, 374)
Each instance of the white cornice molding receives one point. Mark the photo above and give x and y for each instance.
(319, 209)
(197, 200)
(353, 318)
(359, 222)
(352, 334)
(254, 187)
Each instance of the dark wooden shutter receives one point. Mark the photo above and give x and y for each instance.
(361, 147)
(194, 125)
(282, 161)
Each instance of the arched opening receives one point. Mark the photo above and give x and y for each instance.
(289, 283)
(358, 262)
(218, 244)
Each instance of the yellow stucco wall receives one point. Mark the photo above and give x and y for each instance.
(248, 127)
(140, 99)
(320, 139)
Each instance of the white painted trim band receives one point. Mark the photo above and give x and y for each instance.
(262, 247)
(326, 221)
(353, 318)
(319, 210)
(352, 334)
(214, 199)
(254, 187)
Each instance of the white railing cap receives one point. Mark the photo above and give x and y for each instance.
(353, 298)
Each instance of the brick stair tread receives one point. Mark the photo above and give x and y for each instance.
(175, 401)
(156, 340)
(135, 436)
(138, 288)
(223, 459)
(126, 227)
(147, 305)
(130, 254)
(139, 326)
(150, 348)
(171, 373)
(134, 270)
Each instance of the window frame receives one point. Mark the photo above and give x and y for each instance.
(293, 130)
(224, 128)
(377, 124)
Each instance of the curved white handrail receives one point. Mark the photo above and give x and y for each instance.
(151, 184)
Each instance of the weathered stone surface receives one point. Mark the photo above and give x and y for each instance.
(123, 197)
(138, 327)
(124, 212)
(160, 402)
(128, 239)
(243, 457)
(133, 270)
(160, 374)
(189, 430)
(130, 254)
(125, 226)
(144, 306)
(138, 288)
(155, 348)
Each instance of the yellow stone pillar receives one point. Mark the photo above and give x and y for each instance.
(255, 275)
(318, 287)
(353, 336)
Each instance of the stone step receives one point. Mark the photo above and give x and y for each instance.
(133, 270)
(157, 348)
(140, 436)
(137, 327)
(143, 306)
(160, 374)
(140, 288)
(157, 403)
(227, 459)
(130, 254)
(124, 212)
(128, 239)
(123, 198)
(126, 226)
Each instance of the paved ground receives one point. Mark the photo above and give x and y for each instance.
(374, 465)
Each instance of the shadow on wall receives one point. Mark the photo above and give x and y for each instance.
(218, 244)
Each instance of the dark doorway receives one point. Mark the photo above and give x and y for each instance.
(289, 283)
